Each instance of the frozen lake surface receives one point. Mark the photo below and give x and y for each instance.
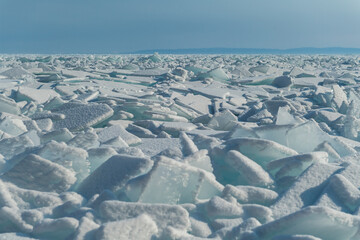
(248, 147)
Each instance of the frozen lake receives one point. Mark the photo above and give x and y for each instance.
(246, 147)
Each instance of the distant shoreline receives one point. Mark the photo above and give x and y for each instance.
(308, 50)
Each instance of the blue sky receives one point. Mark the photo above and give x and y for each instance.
(114, 26)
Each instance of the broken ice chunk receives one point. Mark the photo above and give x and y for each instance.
(250, 194)
(116, 142)
(200, 159)
(56, 229)
(242, 131)
(305, 191)
(8, 105)
(98, 156)
(173, 182)
(140, 131)
(86, 229)
(188, 146)
(45, 124)
(252, 173)
(217, 74)
(262, 68)
(342, 193)
(37, 173)
(153, 146)
(293, 166)
(223, 121)
(83, 116)
(9, 147)
(111, 132)
(113, 174)
(140, 227)
(163, 215)
(60, 135)
(339, 100)
(259, 150)
(84, 140)
(314, 136)
(284, 117)
(68, 157)
(320, 222)
(12, 126)
(35, 95)
(217, 208)
(32, 199)
(282, 81)
(15, 236)
(239, 231)
(198, 103)
(11, 221)
(173, 128)
(16, 73)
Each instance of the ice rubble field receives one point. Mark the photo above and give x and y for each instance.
(180, 147)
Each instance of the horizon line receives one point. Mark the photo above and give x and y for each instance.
(213, 50)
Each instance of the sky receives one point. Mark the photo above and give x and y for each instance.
(119, 26)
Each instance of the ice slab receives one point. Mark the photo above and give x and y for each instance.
(223, 121)
(249, 171)
(111, 132)
(282, 81)
(163, 215)
(305, 190)
(15, 236)
(320, 222)
(12, 126)
(9, 147)
(218, 208)
(37, 173)
(340, 194)
(35, 95)
(198, 103)
(98, 156)
(86, 230)
(293, 166)
(250, 194)
(84, 140)
(259, 150)
(83, 116)
(75, 159)
(187, 145)
(16, 73)
(200, 159)
(153, 146)
(173, 182)
(60, 135)
(113, 174)
(8, 105)
(56, 229)
(141, 227)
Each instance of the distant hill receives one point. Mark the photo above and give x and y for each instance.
(332, 50)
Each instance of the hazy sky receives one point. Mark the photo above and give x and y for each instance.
(114, 26)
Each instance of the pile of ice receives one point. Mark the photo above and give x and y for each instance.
(180, 147)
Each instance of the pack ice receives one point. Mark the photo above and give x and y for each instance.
(179, 147)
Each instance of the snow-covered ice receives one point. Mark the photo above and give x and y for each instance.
(181, 147)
